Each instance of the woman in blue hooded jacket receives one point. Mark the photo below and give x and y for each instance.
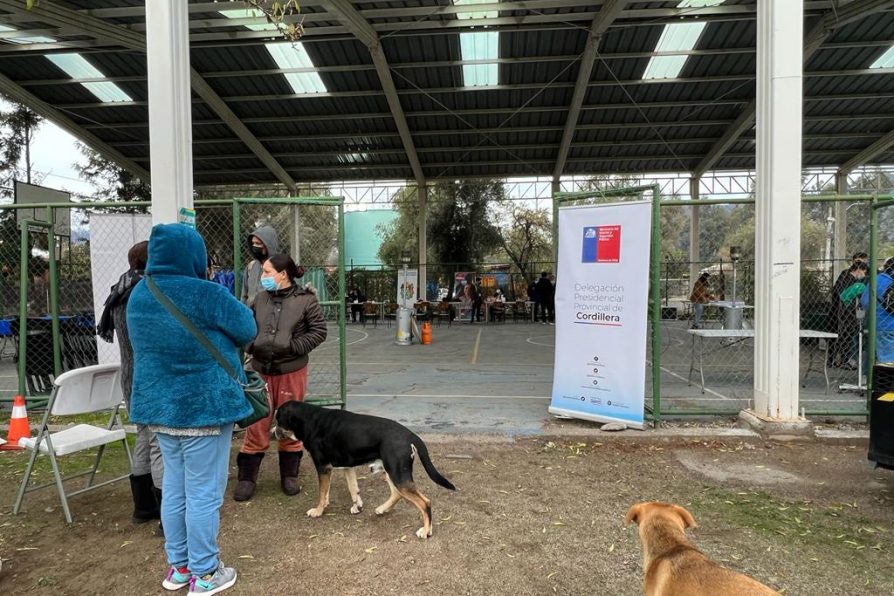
(884, 327)
(188, 400)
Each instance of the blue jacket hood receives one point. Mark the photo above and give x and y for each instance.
(176, 249)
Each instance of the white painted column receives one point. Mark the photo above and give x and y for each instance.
(694, 238)
(555, 189)
(170, 108)
(839, 249)
(778, 209)
(423, 240)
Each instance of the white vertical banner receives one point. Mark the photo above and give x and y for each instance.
(602, 297)
(407, 281)
(111, 236)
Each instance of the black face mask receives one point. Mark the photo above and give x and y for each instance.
(258, 252)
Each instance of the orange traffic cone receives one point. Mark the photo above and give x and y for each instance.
(18, 425)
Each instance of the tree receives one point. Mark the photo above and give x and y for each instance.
(112, 182)
(18, 127)
(525, 236)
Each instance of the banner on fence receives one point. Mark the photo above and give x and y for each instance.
(407, 280)
(601, 312)
(111, 236)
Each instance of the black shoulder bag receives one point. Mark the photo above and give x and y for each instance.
(255, 388)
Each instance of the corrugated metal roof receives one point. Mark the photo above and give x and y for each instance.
(625, 124)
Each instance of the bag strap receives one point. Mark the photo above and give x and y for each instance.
(200, 337)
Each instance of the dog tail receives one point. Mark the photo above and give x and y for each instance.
(433, 473)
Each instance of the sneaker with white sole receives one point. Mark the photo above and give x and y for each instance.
(212, 583)
(177, 578)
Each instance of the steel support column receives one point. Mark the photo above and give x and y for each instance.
(423, 241)
(695, 261)
(778, 204)
(839, 245)
(170, 108)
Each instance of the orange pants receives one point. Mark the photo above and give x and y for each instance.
(282, 388)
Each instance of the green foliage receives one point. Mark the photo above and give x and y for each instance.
(525, 236)
(17, 128)
(112, 182)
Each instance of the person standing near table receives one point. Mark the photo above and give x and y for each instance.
(546, 296)
(884, 329)
(356, 300)
(700, 295)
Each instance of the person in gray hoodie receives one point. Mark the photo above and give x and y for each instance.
(261, 243)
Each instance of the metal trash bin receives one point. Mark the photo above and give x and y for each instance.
(732, 317)
(403, 326)
(881, 416)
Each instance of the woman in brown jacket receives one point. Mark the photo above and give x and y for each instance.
(290, 325)
(701, 295)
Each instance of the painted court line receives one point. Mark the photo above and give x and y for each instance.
(475, 350)
(447, 396)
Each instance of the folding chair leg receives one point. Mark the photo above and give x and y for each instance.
(20, 498)
(59, 487)
(92, 473)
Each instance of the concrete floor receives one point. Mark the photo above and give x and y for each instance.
(498, 378)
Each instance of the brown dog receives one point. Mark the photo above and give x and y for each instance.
(673, 566)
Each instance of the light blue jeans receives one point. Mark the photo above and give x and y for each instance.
(195, 479)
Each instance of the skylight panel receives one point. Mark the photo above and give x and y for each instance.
(77, 67)
(886, 60)
(23, 40)
(286, 55)
(677, 37)
(477, 14)
(479, 46)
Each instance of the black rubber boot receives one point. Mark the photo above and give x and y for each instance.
(288, 471)
(145, 506)
(249, 465)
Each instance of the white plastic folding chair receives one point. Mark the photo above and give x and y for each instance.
(90, 389)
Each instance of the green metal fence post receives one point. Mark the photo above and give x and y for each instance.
(54, 293)
(23, 306)
(872, 315)
(237, 250)
(655, 306)
(340, 310)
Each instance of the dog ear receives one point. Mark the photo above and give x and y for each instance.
(685, 517)
(633, 514)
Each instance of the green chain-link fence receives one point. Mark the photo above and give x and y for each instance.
(49, 294)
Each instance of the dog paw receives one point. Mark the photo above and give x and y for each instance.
(381, 510)
(315, 512)
(357, 508)
(421, 533)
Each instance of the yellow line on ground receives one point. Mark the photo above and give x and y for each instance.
(474, 359)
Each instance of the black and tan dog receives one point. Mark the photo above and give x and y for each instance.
(341, 439)
(672, 564)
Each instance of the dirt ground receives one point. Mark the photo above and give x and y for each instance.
(532, 516)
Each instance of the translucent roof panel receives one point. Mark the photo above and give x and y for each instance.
(23, 40)
(480, 45)
(678, 37)
(77, 67)
(477, 14)
(286, 55)
(886, 60)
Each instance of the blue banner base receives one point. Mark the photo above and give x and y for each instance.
(595, 417)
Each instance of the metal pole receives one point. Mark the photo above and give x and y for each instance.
(54, 293)
(340, 310)
(873, 298)
(23, 305)
(237, 249)
(656, 304)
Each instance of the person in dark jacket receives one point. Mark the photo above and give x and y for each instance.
(546, 293)
(188, 399)
(356, 300)
(532, 296)
(147, 469)
(846, 324)
(261, 244)
(290, 325)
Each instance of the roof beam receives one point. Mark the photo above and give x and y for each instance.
(129, 39)
(362, 30)
(877, 148)
(855, 11)
(606, 16)
(16, 93)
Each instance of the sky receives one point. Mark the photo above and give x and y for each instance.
(53, 153)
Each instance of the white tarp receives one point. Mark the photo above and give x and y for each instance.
(111, 236)
(601, 312)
